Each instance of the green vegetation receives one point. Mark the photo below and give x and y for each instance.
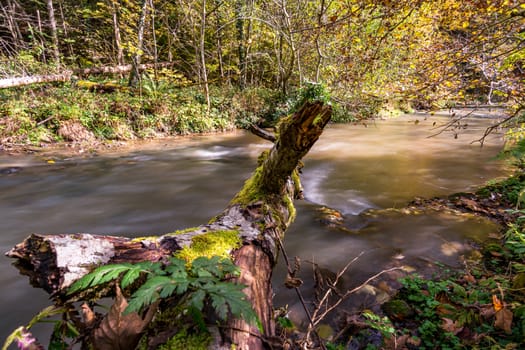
(184, 288)
(202, 281)
(248, 63)
(481, 307)
(183, 293)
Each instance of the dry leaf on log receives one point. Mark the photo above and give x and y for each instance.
(118, 331)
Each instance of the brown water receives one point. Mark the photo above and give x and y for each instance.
(352, 168)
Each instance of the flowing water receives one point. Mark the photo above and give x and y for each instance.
(172, 185)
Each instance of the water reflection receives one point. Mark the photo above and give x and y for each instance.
(172, 186)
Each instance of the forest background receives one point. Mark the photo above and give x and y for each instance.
(90, 72)
(178, 67)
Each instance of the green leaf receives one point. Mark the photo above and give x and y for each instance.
(132, 275)
(100, 275)
(230, 297)
(177, 268)
(148, 293)
(206, 267)
(197, 299)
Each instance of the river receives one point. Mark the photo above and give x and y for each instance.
(175, 184)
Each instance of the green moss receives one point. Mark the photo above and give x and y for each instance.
(186, 230)
(144, 238)
(216, 243)
(318, 120)
(296, 180)
(155, 238)
(291, 209)
(185, 340)
(251, 191)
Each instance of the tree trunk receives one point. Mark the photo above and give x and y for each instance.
(203, 55)
(54, 31)
(13, 82)
(134, 76)
(241, 49)
(116, 33)
(260, 213)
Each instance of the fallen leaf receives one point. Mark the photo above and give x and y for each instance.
(469, 278)
(504, 320)
(88, 316)
(451, 326)
(118, 331)
(498, 305)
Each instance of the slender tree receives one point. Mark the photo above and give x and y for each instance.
(54, 32)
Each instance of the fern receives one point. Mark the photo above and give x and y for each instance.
(100, 275)
(148, 293)
(202, 282)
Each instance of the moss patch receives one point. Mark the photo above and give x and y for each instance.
(216, 243)
(184, 340)
(251, 191)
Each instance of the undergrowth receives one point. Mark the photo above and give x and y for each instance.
(94, 111)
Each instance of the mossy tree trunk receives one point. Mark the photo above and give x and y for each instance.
(259, 215)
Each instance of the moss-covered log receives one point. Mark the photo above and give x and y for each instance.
(249, 230)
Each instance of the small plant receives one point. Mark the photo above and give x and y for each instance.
(382, 324)
(203, 281)
(310, 92)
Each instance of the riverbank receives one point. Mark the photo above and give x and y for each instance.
(481, 306)
(84, 118)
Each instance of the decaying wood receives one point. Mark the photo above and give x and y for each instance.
(35, 79)
(260, 213)
(67, 75)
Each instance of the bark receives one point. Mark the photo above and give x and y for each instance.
(13, 82)
(116, 33)
(260, 213)
(203, 55)
(67, 75)
(134, 76)
(54, 31)
(241, 49)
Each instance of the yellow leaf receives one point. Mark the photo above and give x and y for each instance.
(496, 303)
(464, 24)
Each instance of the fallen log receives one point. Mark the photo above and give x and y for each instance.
(67, 75)
(258, 216)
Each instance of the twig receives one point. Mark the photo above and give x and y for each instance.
(348, 293)
(327, 309)
(491, 128)
(449, 124)
(298, 292)
(45, 120)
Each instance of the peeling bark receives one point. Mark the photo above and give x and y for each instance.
(260, 213)
(67, 75)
